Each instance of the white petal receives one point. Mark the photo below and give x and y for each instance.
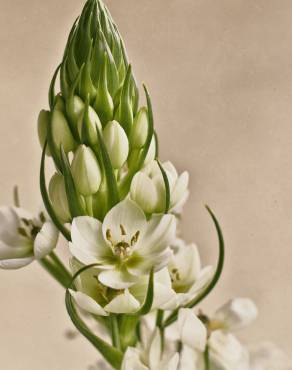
(154, 351)
(132, 361)
(126, 217)
(116, 279)
(172, 364)
(16, 251)
(237, 313)
(193, 332)
(143, 192)
(13, 264)
(188, 263)
(87, 303)
(159, 234)
(88, 242)
(180, 188)
(142, 265)
(46, 240)
(123, 303)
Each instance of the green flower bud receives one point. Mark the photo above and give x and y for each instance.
(43, 123)
(117, 143)
(140, 129)
(75, 108)
(58, 197)
(86, 171)
(93, 121)
(104, 103)
(61, 132)
(59, 103)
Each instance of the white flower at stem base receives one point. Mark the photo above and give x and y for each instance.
(148, 188)
(125, 245)
(149, 355)
(235, 314)
(117, 143)
(187, 276)
(58, 197)
(86, 171)
(23, 239)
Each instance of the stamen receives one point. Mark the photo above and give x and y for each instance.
(135, 238)
(109, 236)
(123, 230)
(22, 232)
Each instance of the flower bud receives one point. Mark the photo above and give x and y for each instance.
(59, 103)
(86, 171)
(61, 132)
(43, 123)
(92, 122)
(236, 314)
(117, 143)
(140, 129)
(74, 108)
(58, 197)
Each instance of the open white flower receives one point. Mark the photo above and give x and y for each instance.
(149, 355)
(148, 188)
(226, 352)
(95, 298)
(24, 239)
(187, 276)
(125, 245)
(235, 314)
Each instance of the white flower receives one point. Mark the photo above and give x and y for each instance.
(23, 239)
(149, 355)
(86, 171)
(226, 352)
(193, 332)
(117, 143)
(125, 245)
(148, 188)
(236, 314)
(95, 298)
(267, 356)
(187, 276)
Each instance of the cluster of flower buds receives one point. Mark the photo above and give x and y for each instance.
(94, 131)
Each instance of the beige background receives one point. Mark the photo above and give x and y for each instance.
(220, 75)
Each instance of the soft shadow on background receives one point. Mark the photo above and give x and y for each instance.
(220, 76)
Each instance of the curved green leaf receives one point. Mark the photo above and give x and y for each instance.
(73, 197)
(47, 201)
(52, 88)
(220, 264)
(111, 354)
(147, 305)
(167, 188)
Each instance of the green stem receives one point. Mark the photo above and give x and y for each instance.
(59, 264)
(115, 331)
(159, 324)
(207, 358)
(54, 272)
